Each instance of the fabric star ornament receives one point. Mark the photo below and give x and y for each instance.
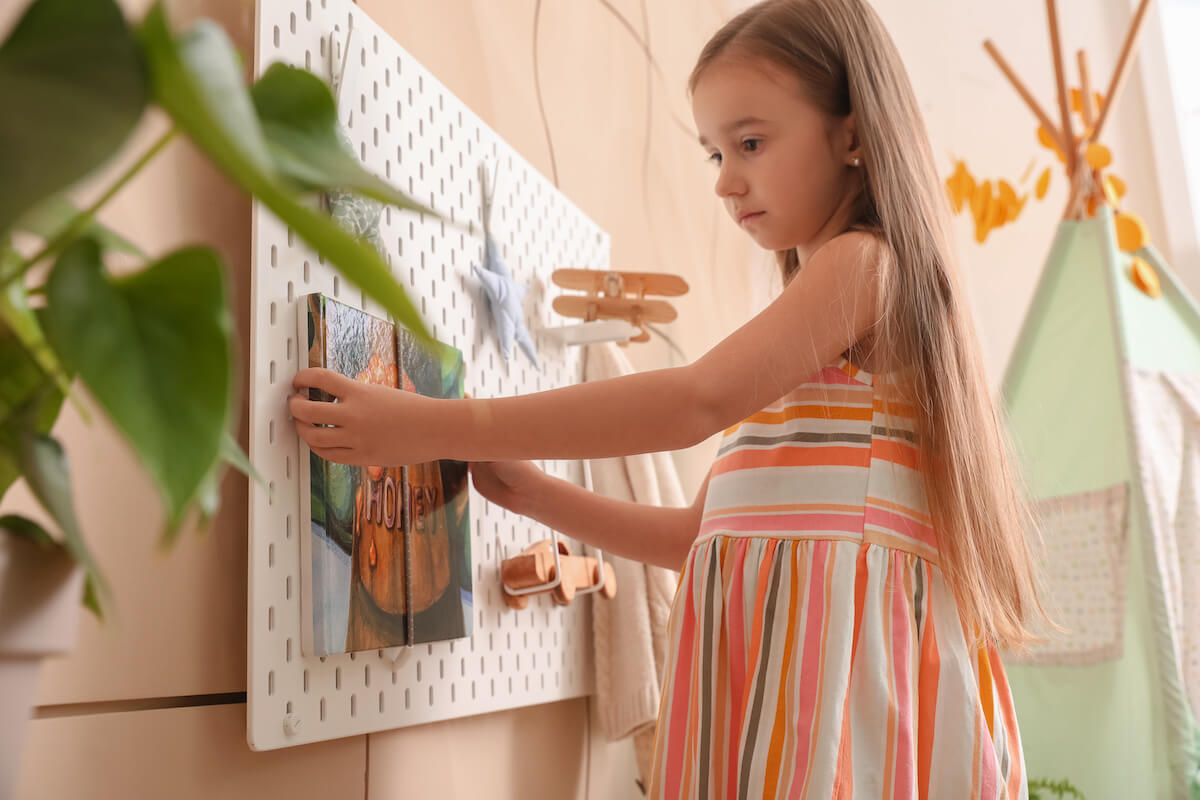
(505, 301)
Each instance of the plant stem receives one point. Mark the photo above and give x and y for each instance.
(76, 225)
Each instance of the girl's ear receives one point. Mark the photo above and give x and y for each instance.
(852, 147)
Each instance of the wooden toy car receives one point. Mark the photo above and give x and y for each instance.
(535, 567)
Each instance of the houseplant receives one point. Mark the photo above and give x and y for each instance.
(152, 347)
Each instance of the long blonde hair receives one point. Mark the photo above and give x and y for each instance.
(847, 62)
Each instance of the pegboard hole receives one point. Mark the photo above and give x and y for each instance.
(337, 286)
(292, 26)
(272, 307)
(274, 256)
(275, 37)
(288, 595)
(288, 650)
(306, 681)
(270, 493)
(271, 432)
(322, 709)
(271, 683)
(271, 563)
(271, 618)
(337, 678)
(407, 700)
(353, 705)
(306, 271)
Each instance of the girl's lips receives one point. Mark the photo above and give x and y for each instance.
(747, 217)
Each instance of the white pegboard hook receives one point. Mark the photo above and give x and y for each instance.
(339, 55)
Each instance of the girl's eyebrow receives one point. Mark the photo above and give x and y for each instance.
(733, 126)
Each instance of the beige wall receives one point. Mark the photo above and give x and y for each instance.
(622, 154)
(972, 112)
(130, 712)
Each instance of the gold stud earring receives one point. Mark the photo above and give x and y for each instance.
(857, 161)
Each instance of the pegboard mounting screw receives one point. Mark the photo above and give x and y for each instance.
(291, 724)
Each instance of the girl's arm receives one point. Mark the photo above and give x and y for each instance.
(650, 534)
(828, 306)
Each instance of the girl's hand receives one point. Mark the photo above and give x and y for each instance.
(511, 484)
(371, 425)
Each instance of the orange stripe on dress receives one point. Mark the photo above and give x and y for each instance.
(927, 693)
(896, 452)
(902, 634)
(985, 687)
(775, 749)
(812, 411)
(895, 409)
(1016, 778)
(793, 457)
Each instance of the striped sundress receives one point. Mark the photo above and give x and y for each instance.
(815, 646)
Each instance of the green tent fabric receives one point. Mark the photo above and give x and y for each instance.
(1091, 347)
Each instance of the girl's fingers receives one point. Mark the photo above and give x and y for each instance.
(325, 379)
(341, 455)
(314, 412)
(318, 438)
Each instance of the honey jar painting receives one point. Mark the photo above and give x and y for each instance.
(385, 559)
(439, 491)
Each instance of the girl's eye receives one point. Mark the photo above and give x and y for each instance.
(752, 145)
(714, 158)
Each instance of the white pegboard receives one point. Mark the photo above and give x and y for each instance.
(413, 132)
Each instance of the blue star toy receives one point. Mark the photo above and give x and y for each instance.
(505, 296)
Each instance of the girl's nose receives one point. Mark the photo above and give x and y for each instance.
(729, 183)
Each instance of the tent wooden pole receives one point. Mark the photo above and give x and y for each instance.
(1026, 95)
(1085, 91)
(1060, 80)
(1122, 68)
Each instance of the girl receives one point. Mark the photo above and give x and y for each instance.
(857, 554)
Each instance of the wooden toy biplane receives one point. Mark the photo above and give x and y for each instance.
(619, 295)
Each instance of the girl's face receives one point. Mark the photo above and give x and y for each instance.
(783, 165)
